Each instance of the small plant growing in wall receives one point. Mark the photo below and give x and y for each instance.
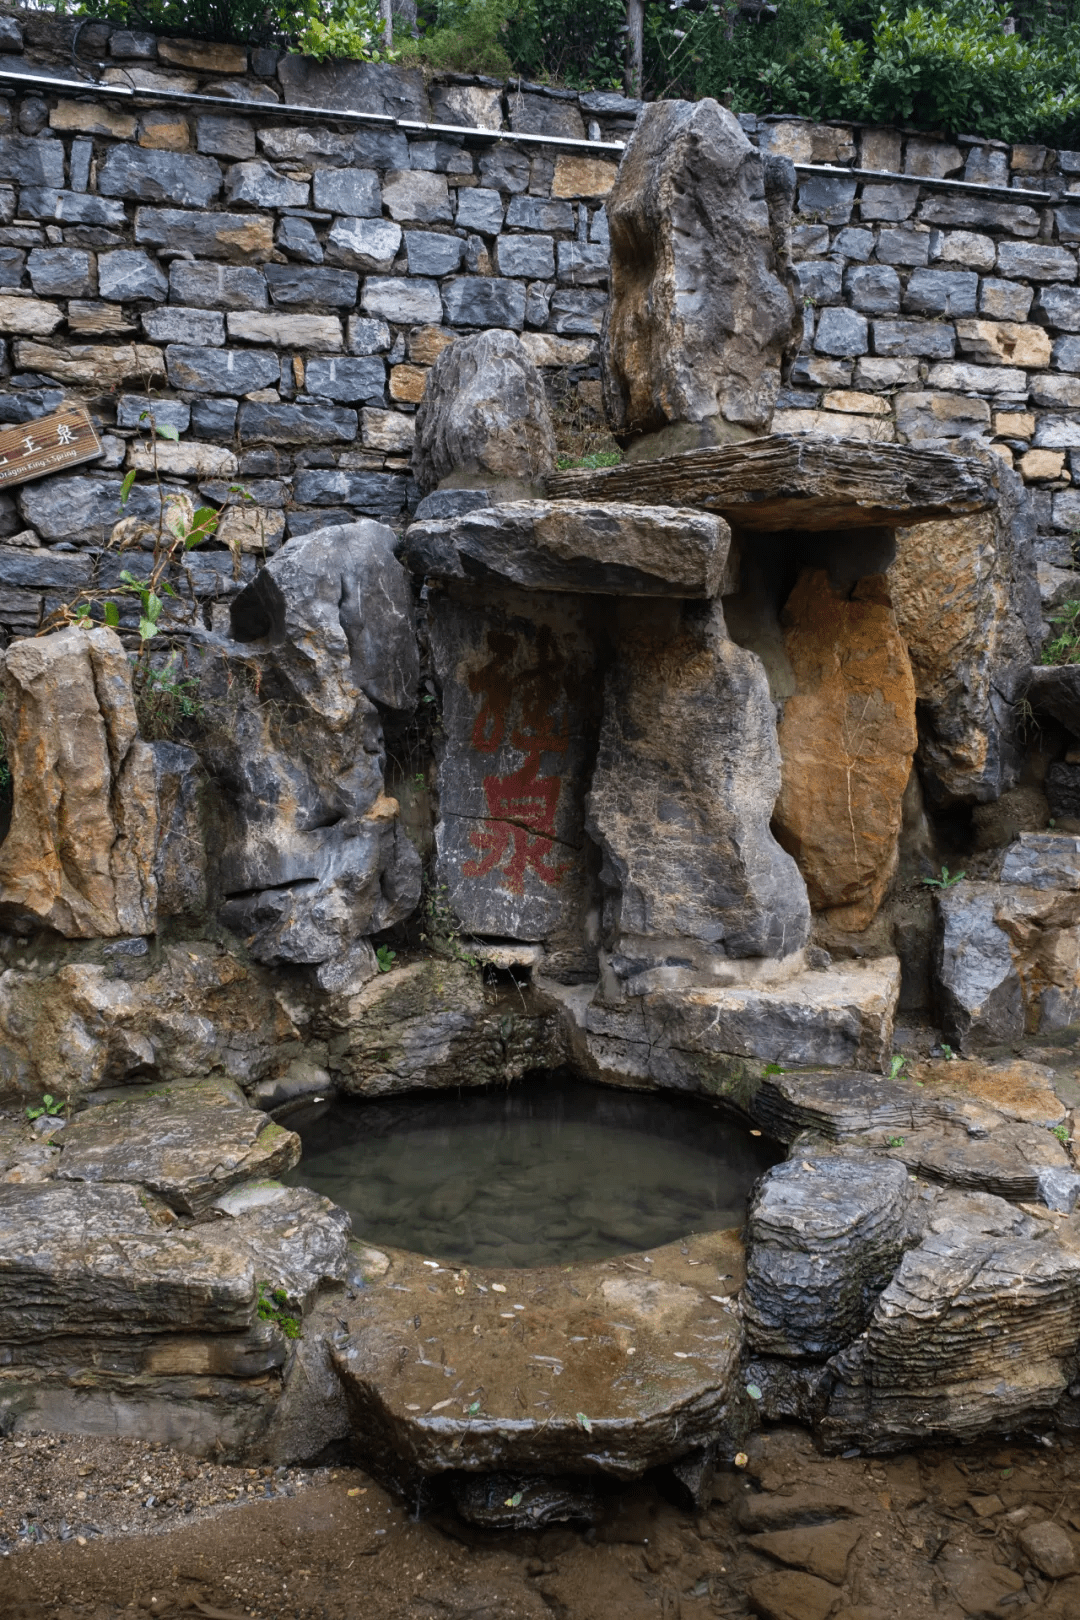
(945, 879)
(385, 958)
(51, 1108)
(273, 1307)
(1065, 646)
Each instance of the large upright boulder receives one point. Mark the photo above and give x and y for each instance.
(687, 773)
(521, 690)
(484, 417)
(313, 856)
(702, 307)
(847, 737)
(79, 857)
(967, 605)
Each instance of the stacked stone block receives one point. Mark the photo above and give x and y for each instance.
(276, 286)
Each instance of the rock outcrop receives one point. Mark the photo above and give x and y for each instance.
(484, 417)
(580, 546)
(79, 857)
(975, 1333)
(688, 747)
(847, 737)
(824, 1237)
(691, 209)
(313, 853)
(1008, 953)
(965, 599)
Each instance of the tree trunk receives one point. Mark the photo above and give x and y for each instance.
(635, 45)
(386, 12)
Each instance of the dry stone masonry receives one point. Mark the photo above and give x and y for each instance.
(681, 747)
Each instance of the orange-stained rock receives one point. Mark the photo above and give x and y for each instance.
(965, 598)
(79, 857)
(847, 739)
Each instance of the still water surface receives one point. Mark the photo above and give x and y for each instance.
(549, 1171)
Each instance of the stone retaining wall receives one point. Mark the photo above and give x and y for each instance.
(283, 279)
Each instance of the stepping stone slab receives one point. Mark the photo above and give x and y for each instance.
(606, 1368)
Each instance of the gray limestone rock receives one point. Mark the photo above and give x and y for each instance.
(432, 253)
(297, 424)
(223, 136)
(187, 1148)
(135, 410)
(260, 184)
(313, 856)
(1043, 861)
(824, 1236)
(214, 418)
(367, 244)
(377, 494)
(484, 416)
(689, 745)
(975, 1333)
(185, 178)
(216, 286)
(978, 985)
(348, 191)
(32, 160)
(401, 299)
(486, 301)
(110, 1256)
(480, 209)
(531, 256)
(377, 87)
(207, 234)
(292, 285)
(690, 206)
(297, 237)
(128, 273)
(220, 371)
(576, 546)
(194, 328)
(60, 273)
(71, 207)
(346, 381)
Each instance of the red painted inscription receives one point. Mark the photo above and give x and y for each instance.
(522, 806)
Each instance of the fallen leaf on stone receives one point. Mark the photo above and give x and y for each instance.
(409, 1408)
(808, 1167)
(753, 1392)
(498, 1288)
(441, 1405)
(740, 1459)
(585, 1422)
(355, 1491)
(513, 1501)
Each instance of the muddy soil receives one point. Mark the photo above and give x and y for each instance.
(990, 1530)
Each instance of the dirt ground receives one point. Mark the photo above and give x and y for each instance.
(984, 1531)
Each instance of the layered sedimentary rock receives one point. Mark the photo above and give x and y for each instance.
(825, 1236)
(847, 737)
(966, 603)
(1055, 690)
(975, 1333)
(779, 482)
(686, 776)
(484, 416)
(612, 550)
(79, 857)
(314, 856)
(690, 209)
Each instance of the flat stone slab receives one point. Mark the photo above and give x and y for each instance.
(693, 1039)
(609, 1368)
(781, 482)
(606, 548)
(112, 1258)
(188, 1148)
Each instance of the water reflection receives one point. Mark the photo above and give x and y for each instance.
(551, 1170)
